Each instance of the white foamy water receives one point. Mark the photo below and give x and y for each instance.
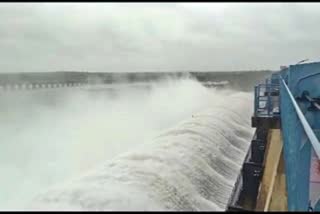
(192, 166)
(115, 150)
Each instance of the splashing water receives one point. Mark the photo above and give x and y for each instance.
(51, 136)
(191, 166)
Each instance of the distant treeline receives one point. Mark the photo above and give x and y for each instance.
(237, 79)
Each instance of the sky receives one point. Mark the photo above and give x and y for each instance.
(133, 37)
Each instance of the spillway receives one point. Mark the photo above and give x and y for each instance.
(191, 166)
(203, 154)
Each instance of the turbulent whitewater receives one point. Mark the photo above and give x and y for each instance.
(191, 166)
(173, 145)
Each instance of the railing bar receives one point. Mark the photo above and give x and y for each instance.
(316, 105)
(309, 132)
(313, 102)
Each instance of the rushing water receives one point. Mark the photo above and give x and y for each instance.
(177, 146)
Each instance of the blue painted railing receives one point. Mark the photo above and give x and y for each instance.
(306, 127)
(298, 137)
(300, 127)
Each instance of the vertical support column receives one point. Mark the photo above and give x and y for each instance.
(256, 100)
(257, 152)
(278, 200)
(272, 160)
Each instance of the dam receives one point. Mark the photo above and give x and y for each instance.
(193, 141)
(187, 106)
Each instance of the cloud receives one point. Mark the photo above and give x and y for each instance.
(155, 36)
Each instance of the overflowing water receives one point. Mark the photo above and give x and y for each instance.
(176, 146)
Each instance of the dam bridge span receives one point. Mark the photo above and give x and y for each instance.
(69, 79)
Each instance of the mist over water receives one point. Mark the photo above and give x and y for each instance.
(175, 146)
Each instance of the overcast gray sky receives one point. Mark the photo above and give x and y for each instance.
(111, 37)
